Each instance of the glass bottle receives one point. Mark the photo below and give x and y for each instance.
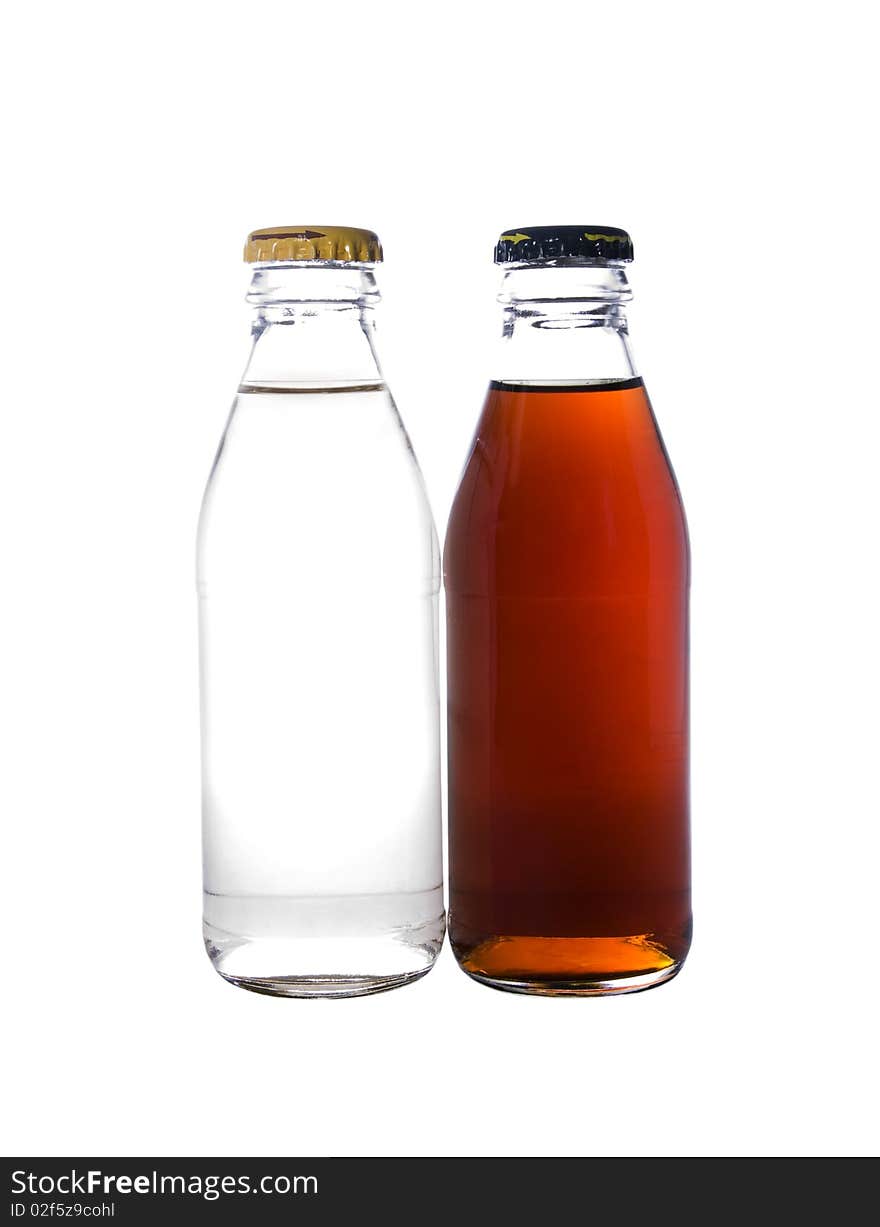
(567, 572)
(318, 576)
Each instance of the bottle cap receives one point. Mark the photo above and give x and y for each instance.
(538, 244)
(280, 244)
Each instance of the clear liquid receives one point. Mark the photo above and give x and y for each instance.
(318, 582)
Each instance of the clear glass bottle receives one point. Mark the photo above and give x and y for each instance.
(318, 578)
(567, 572)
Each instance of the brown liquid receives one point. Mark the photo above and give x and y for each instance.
(566, 568)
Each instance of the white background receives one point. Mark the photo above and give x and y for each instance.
(736, 143)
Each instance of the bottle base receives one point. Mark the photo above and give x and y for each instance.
(323, 986)
(331, 947)
(570, 966)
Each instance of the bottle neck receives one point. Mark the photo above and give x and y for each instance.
(313, 325)
(564, 323)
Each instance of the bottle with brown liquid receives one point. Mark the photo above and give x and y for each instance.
(567, 573)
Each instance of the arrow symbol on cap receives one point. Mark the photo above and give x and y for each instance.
(289, 234)
(513, 238)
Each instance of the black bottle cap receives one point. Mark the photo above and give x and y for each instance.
(535, 244)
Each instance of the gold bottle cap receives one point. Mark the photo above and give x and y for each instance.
(283, 243)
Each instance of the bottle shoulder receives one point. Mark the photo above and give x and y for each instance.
(284, 439)
(555, 475)
(314, 482)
